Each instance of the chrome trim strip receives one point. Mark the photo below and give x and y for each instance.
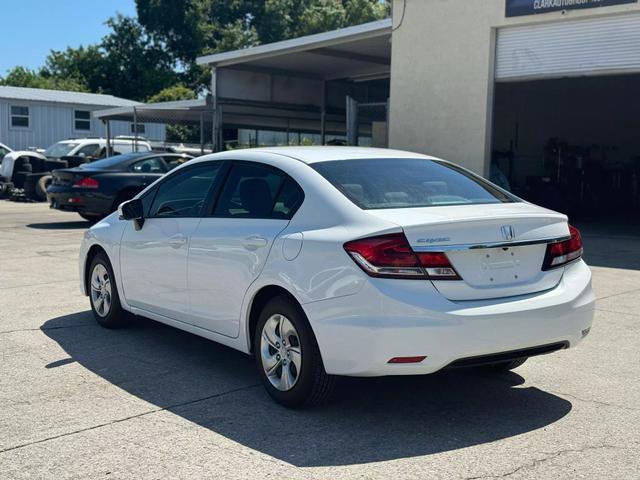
(475, 246)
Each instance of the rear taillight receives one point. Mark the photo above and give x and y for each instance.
(561, 253)
(87, 182)
(391, 256)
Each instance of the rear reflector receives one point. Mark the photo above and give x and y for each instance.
(87, 182)
(391, 256)
(561, 253)
(407, 359)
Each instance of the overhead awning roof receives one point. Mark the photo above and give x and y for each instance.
(355, 51)
(183, 111)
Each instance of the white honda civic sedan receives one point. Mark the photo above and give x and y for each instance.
(326, 261)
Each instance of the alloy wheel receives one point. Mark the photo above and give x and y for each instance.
(101, 290)
(280, 352)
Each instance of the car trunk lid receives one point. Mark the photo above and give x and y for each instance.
(70, 176)
(497, 249)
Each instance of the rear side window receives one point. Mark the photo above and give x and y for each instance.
(148, 165)
(253, 190)
(184, 193)
(405, 183)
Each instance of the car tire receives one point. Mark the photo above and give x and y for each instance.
(305, 382)
(19, 178)
(507, 366)
(41, 187)
(103, 294)
(90, 217)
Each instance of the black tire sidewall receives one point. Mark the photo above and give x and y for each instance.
(302, 390)
(116, 316)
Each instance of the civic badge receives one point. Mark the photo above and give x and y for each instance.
(508, 232)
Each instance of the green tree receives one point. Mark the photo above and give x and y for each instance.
(192, 27)
(23, 77)
(178, 133)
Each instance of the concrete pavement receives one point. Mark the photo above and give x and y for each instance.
(79, 401)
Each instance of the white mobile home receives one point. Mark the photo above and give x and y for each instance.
(32, 117)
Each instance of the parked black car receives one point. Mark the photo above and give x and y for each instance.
(96, 189)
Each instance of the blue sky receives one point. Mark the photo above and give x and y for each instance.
(30, 28)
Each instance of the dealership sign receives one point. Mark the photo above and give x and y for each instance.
(531, 7)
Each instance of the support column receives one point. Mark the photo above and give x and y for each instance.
(323, 114)
(135, 130)
(201, 133)
(215, 133)
(107, 125)
(352, 121)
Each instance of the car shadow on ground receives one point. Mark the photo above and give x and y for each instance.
(368, 420)
(61, 225)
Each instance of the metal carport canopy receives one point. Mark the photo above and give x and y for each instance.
(299, 84)
(355, 51)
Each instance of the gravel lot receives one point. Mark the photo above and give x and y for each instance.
(78, 401)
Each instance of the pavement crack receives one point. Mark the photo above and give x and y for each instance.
(40, 329)
(597, 402)
(616, 294)
(131, 417)
(548, 456)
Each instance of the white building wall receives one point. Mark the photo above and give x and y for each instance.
(442, 74)
(52, 122)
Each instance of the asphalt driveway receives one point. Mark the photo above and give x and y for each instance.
(79, 401)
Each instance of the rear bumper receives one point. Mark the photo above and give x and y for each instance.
(78, 200)
(360, 333)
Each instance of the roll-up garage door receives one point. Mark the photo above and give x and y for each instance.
(596, 46)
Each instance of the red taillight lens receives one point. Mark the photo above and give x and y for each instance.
(561, 253)
(385, 256)
(87, 182)
(391, 256)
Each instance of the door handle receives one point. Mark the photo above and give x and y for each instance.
(177, 240)
(254, 242)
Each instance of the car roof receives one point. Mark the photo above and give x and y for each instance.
(312, 154)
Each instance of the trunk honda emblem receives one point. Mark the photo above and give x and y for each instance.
(508, 232)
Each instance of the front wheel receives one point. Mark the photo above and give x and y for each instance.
(103, 294)
(287, 356)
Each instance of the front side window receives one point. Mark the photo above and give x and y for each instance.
(82, 120)
(148, 165)
(184, 193)
(19, 116)
(408, 182)
(253, 190)
(90, 150)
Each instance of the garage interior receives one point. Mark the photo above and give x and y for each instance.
(565, 115)
(571, 144)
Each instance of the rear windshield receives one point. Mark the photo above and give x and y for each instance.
(408, 182)
(111, 162)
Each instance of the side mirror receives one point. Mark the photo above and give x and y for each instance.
(132, 210)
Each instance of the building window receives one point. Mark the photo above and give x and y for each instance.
(19, 116)
(140, 128)
(82, 120)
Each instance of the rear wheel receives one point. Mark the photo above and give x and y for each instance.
(103, 294)
(506, 366)
(287, 356)
(41, 187)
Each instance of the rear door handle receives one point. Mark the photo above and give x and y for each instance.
(177, 240)
(254, 242)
